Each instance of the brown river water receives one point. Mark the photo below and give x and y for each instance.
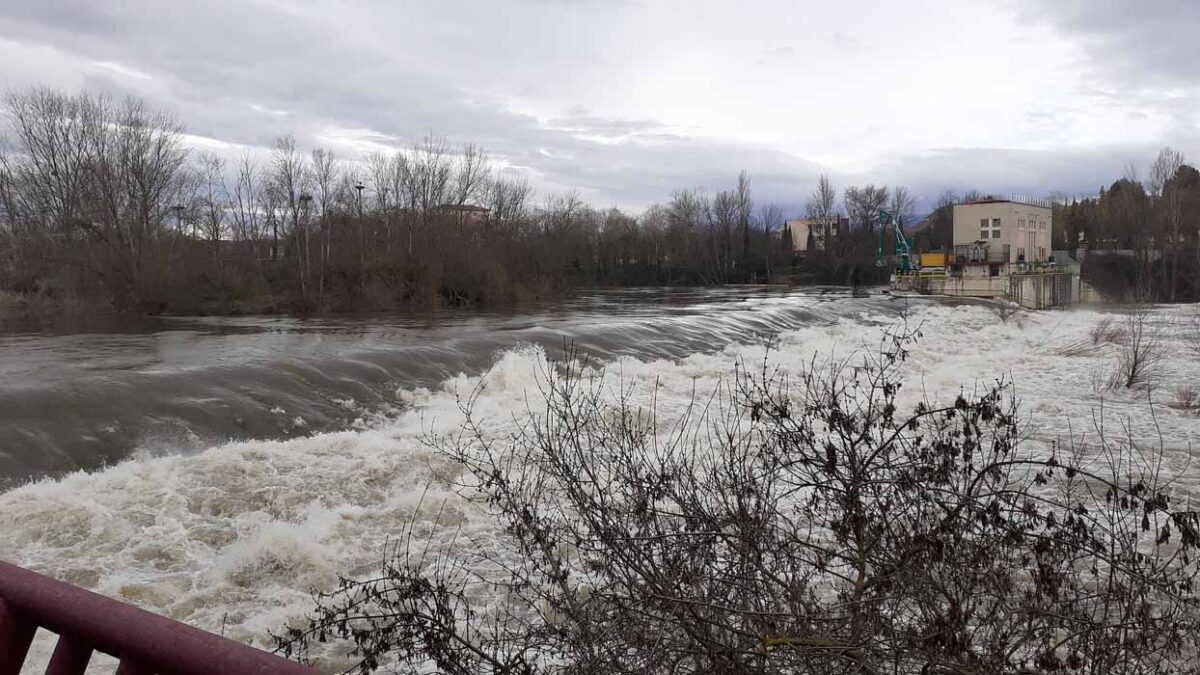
(86, 395)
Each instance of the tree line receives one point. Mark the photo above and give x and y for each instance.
(1143, 237)
(104, 204)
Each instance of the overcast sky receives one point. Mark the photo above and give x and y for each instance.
(627, 100)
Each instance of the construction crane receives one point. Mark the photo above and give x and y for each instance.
(903, 248)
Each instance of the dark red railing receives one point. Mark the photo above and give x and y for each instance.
(143, 642)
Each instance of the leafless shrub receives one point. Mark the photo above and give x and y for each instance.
(1106, 331)
(1084, 347)
(1191, 333)
(1140, 354)
(1005, 310)
(793, 525)
(1187, 399)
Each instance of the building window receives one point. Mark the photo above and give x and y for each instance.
(983, 234)
(983, 223)
(995, 223)
(1021, 224)
(995, 234)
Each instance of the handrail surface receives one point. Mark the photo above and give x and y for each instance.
(144, 642)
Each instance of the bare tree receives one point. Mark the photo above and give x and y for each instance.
(431, 172)
(689, 215)
(745, 213)
(288, 180)
(725, 212)
(244, 200)
(325, 173)
(51, 128)
(508, 199)
(822, 208)
(103, 173)
(902, 206)
(772, 223)
(864, 204)
(1163, 169)
(471, 175)
(381, 178)
(1178, 199)
(211, 201)
(1130, 172)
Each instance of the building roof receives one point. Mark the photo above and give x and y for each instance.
(1011, 199)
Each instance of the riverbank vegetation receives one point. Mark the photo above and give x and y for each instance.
(1142, 238)
(809, 523)
(102, 204)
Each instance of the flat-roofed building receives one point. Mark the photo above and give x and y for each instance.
(1002, 231)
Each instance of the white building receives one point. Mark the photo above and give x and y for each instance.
(1002, 230)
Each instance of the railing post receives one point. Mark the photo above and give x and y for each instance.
(15, 637)
(70, 657)
(128, 667)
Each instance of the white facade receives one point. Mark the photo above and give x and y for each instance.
(995, 223)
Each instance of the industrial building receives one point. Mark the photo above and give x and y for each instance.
(1001, 249)
(1010, 231)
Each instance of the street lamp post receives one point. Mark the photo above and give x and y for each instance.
(305, 200)
(178, 211)
(362, 239)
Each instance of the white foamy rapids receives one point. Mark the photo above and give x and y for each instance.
(236, 537)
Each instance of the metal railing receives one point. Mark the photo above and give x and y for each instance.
(1007, 269)
(143, 642)
(923, 273)
(980, 253)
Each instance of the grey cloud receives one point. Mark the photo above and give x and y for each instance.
(393, 72)
(579, 120)
(213, 80)
(1145, 42)
(1066, 171)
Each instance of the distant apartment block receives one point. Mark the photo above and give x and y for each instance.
(464, 213)
(808, 234)
(1002, 231)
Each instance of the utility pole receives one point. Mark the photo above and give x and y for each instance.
(362, 240)
(305, 200)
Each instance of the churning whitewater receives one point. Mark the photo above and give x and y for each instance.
(234, 538)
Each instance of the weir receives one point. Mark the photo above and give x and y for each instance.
(1031, 289)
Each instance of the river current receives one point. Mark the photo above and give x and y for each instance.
(217, 470)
